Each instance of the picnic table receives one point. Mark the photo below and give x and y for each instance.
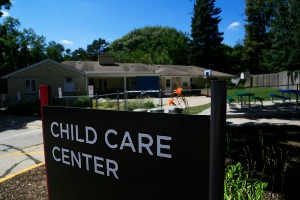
(242, 97)
(289, 92)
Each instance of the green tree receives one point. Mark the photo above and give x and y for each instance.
(79, 55)
(5, 4)
(206, 48)
(32, 47)
(19, 49)
(68, 54)
(285, 32)
(235, 58)
(97, 47)
(55, 51)
(9, 45)
(153, 45)
(257, 38)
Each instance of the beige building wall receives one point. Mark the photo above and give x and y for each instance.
(185, 82)
(44, 74)
(112, 84)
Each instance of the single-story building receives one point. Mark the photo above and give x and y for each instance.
(74, 78)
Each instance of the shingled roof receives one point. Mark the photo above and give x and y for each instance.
(92, 67)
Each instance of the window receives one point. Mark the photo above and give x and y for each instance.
(69, 80)
(30, 86)
(168, 82)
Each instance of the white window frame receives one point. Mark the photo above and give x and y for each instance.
(31, 86)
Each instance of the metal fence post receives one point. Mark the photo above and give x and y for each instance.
(96, 101)
(142, 105)
(217, 140)
(125, 99)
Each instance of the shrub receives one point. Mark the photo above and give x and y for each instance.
(83, 102)
(137, 103)
(105, 104)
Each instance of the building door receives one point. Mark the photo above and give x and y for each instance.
(168, 86)
(69, 85)
(103, 85)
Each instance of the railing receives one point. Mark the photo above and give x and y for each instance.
(120, 98)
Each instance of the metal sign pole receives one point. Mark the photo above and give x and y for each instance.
(217, 138)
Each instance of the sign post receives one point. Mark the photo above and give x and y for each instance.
(217, 138)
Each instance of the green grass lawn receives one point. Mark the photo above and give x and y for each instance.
(197, 109)
(259, 92)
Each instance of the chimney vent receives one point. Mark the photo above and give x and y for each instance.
(106, 60)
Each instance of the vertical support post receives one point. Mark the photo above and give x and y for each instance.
(44, 92)
(160, 97)
(125, 99)
(217, 140)
(118, 99)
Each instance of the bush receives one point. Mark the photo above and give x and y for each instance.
(83, 102)
(105, 104)
(137, 103)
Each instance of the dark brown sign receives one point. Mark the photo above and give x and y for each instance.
(93, 154)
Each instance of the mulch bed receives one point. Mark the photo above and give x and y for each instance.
(30, 185)
(245, 144)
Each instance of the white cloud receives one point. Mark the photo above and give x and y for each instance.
(4, 13)
(233, 26)
(66, 42)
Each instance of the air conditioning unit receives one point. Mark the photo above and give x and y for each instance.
(207, 72)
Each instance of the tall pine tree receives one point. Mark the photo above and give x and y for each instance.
(206, 47)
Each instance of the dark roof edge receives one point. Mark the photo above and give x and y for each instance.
(42, 62)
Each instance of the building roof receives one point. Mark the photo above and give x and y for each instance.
(39, 63)
(93, 67)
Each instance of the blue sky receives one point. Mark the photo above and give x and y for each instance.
(77, 23)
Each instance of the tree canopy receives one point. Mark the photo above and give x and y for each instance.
(5, 4)
(271, 42)
(284, 53)
(153, 45)
(19, 49)
(96, 48)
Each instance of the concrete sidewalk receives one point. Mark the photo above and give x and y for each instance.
(275, 113)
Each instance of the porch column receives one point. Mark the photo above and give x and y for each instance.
(86, 85)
